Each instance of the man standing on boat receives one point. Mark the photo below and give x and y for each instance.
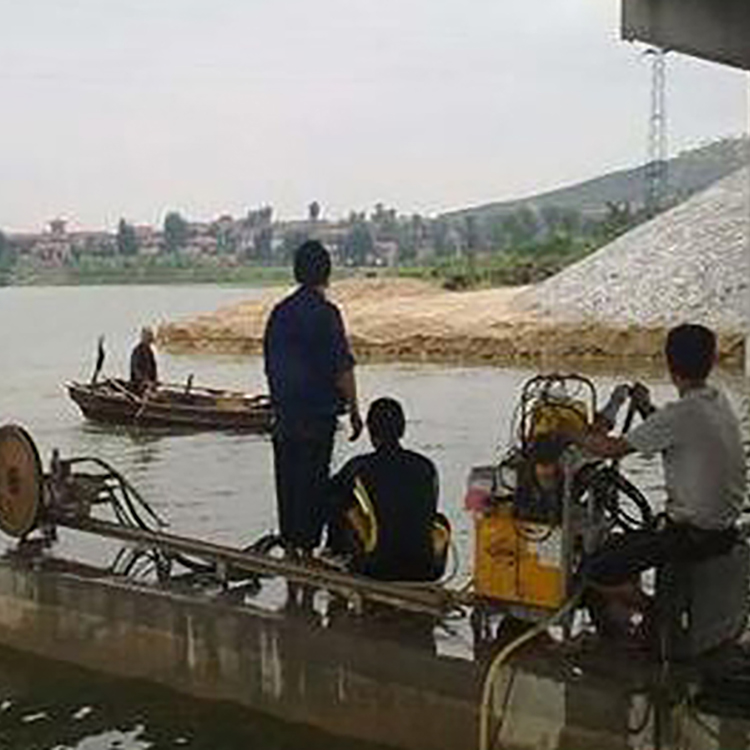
(143, 371)
(310, 371)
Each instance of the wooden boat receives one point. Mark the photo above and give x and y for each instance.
(177, 406)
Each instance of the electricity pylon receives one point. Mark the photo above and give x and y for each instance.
(657, 168)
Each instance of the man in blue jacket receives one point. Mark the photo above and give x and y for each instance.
(310, 371)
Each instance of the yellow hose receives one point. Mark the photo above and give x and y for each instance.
(368, 528)
(504, 654)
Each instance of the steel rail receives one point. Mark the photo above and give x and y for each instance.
(428, 598)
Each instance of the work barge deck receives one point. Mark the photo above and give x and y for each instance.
(399, 683)
(414, 667)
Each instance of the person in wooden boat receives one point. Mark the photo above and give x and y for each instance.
(383, 506)
(310, 372)
(700, 440)
(143, 370)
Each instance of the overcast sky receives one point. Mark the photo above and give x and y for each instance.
(114, 108)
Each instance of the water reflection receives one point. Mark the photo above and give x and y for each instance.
(140, 447)
(46, 705)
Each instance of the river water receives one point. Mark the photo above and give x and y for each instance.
(214, 486)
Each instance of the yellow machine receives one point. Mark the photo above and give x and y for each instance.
(522, 549)
(518, 562)
(554, 417)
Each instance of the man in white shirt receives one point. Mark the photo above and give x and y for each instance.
(700, 440)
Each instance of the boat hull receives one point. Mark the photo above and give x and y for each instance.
(171, 409)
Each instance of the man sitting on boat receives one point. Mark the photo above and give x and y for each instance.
(384, 506)
(143, 371)
(700, 440)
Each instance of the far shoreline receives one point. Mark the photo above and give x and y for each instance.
(244, 276)
(401, 320)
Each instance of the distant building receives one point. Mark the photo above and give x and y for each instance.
(386, 253)
(203, 244)
(53, 247)
(331, 234)
(57, 227)
(150, 240)
(93, 243)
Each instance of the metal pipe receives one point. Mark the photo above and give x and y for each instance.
(427, 598)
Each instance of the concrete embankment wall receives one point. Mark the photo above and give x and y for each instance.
(329, 678)
(338, 676)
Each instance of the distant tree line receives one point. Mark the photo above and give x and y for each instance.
(536, 236)
(5, 250)
(361, 238)
(6, 258)
(127, 242)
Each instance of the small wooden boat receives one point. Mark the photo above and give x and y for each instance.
(177, 406)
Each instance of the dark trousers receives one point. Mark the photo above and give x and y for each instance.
(302, 457)
(625, 556)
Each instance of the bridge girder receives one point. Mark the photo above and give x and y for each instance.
(717, 30)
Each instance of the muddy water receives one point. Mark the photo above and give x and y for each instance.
(217, 487)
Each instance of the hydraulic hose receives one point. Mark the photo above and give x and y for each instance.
(505, 653)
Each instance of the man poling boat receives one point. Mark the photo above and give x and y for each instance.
(144, 373)
(143, 401)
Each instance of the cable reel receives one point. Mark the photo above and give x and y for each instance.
(32, 500)
(21, 482)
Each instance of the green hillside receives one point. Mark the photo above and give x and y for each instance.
(689, 173)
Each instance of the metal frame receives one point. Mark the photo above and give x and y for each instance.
(427, 598)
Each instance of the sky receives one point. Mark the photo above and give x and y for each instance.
(131, 108)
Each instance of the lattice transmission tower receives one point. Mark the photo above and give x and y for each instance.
(657, 167)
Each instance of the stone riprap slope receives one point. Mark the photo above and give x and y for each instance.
(689, 264)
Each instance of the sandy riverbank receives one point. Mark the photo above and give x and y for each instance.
(415, 321)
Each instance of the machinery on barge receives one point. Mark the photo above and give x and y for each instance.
(538, 511)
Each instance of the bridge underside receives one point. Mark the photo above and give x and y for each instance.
(717, 30)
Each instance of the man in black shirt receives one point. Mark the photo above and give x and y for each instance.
(399, 491)
(143, 372)
(310, 371)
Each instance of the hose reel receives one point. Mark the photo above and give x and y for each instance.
(32, 500)
(21, 482)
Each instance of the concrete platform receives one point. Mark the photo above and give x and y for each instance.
(375, 679)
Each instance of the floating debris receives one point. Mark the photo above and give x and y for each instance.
(31, 718)
(83, 713)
